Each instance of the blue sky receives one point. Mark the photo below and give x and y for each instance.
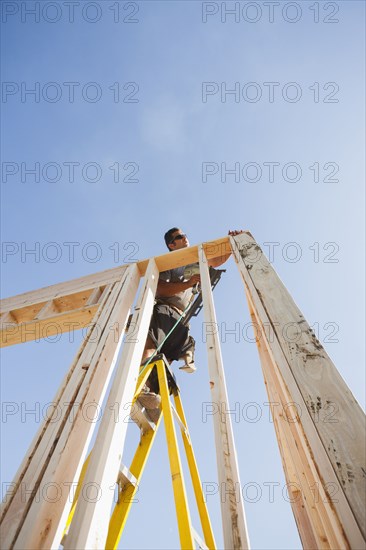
(164, 138)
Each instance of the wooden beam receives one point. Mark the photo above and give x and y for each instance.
(336, 446)
(89, 527)
(43, 295)
(44, 523)
(185, 256)
(311, 507)
(55, 324)
(95, 296)
(213, 249)
(232, 506)
(29, 476)
(76, 300)
(42, 431)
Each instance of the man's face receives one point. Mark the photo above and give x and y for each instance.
(180, 240)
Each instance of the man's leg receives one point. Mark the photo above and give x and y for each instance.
(149, 350)
(160, 325)
(187, 355)
(148, 398)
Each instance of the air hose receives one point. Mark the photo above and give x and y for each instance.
(194, 291)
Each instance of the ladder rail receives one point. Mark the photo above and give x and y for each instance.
(123, 506)
(180, 495)
(196, 480)
(138, 417)
(129, 479)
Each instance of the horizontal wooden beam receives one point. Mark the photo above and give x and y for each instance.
(71, 305)
(55, 324)
(43, 295)
(170, 260)
(185, 256)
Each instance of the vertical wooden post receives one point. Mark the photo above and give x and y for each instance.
(60, 454)
(309, 503)
(232, 507)
(26, 484)
(89, 528)
(331, 425)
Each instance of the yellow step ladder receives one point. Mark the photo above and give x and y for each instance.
(129, 479)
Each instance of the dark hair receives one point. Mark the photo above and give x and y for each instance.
(169, 235)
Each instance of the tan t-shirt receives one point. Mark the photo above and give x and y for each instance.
(181, 299)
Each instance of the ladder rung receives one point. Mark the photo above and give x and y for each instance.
(125, 477)
(138, 415)
(198, 539)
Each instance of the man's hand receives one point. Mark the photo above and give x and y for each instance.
(235, 232)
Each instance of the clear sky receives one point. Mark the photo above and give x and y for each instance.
(147, 115)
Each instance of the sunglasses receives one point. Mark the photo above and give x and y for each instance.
(179, 237)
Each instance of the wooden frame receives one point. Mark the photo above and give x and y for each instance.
(232, 506)
(297, 368)
(295, 371)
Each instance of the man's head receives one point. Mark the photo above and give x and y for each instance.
(176, 239)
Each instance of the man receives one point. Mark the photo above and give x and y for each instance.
(173, 296)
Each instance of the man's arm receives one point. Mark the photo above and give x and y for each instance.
(166, 289)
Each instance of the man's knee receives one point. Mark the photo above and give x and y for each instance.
(149, 344)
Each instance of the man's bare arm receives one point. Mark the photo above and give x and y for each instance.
(170, 289)
(166, 289)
